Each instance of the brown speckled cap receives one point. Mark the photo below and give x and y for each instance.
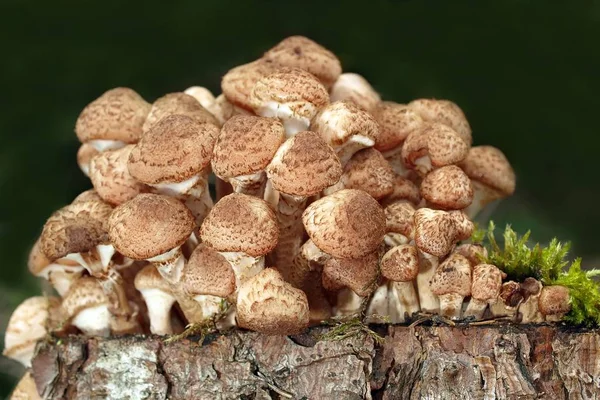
(452, 276)
(356, 89)
(304, 165)
(346, 224)
(116, 115)
(268, 304)
(440, 142)
(445, 112)
(464, 226)
(241, 223)
(399, 218)
(111, 178)
(246, 145)
(301, 52)
(175, 149)
(84, 155)
(88, 195)
(37, 260)
(178, 103)
(75, 228)
(488, 165)
(367, 170)
(404, 189)
(237, 84)
(358, 274)
(84, 293)
(475, 253)
(447, 188)
(487, 282)
(396, 122)
(554, 300)
(434, 231)
(149, 278)
(511, 294)
(208, 273)
(149, 225)
(401, 263)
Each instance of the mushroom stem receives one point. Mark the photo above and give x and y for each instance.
(482, 196)
(170, 265)
(348, 303)
(159, 305)
(451, 305)
(403, 301)
(210, 305)
(379, 305)
(253, 184)
(393, 239)
(353, 145)
(475, 308)
(289, 215)
(428, 264)
(95, 321)
(244, 266)
(529, 311)
(394, 157)
(63, 277)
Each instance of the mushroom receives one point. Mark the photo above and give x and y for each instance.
(464, 226)
(112, 120)
(30, 322)
(451, 283)
(301, 52)
(475, 253)
(492, 176)
(554, 302)
(237, 83)
(303, 166)
(174, 158)
(88, 195)
(403, 189)
(445, 112)
(447, 188)
(203, 96)
(508, 302)
(399, 222)
(292, 95)
(243, 150)
(159, 298)
(84, 155)
(223, 110)
(243, 229)
(485, 289)
(61, 273)
(529, 311)
(110, 176)
(87, 307)
(345, 127)
(268, 304)
(400, 266)
(25, 389)
(178, 104)
(356, 89)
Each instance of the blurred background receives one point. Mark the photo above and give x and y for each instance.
(527, 75)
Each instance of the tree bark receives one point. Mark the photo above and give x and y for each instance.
(423, 362)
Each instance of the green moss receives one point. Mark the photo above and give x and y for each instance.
(345, 328)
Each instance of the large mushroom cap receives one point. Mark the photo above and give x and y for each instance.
(399, 218)
(246, 145)
(396, 122)
(487, 282)
(488, 165)
(356, 89)
(347, 224)
(75, 228)
(340, 121)
(440, 142)
(241, 223)
(85, 292)
(175, 149)
(445, 112)
(452, 276)
(149, 225)
(358, 274)
(304, 165)
(367, 170)
(301, 52)
(435, 231)
(269, 305)
(448, 188)
(116, 115)
(178, 103)
(237, 84)
(401, 263)
(208, 273)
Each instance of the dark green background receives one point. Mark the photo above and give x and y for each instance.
(527, 74)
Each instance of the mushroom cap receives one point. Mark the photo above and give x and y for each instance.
(401, 263)
(269, 305)
(464, 226)
(452, 276)
(443, 145)
(208, 273)
(488, 165)
(346, 224)
(178, 103)
(246, 145)
(369, 171)
(25, 389)
(84, 293)
(511, 294)
(404, 189)
(37, 260)
(487, 282)
(237, 84)
(224, 110)
(338, 122)
(530, 287)
(116, 115)
(304, 165)
(554, 300)
(356, 89)
(75, 228)
(241, 223)
(84, 155)
(296, 88)
(445, 112)
(203, 96)
(473, 252)
(448, 188)
(149, 225)
(110, 176)
(399, 218)
(396, 122)
(149, 278)
(435, 231)
(88, 195)
(301, 52)
(175, 149)
(358, 274)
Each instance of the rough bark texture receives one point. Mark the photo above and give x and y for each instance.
(484, 362)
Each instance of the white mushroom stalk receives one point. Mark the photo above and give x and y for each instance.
(244, 265)
(288, 113)
(251, 184)
(428, 265)
(104, 145)
(93, 321)
(87, 305)
(403, 301)
(159, 305)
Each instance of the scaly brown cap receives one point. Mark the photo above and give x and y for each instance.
(149, 278)
(554, 300)
(396, 122)
(338, 122)
(301, 52)
(37, 260)
(445, 112)
(475, 253)
(75, 228)
(357, 274)
(246, 145)
(178, 103)
(88, 195)
(346, 224)
(208, 273)
(268, 304)
(237, 84)
(149, 225)
(447, 188)
(404, 189)
(84, 293)
(241, 223)
(464, 226)
(367, 170)
(452, 276)
(116, 115)
(304, 165)
(488, 165)
(401, 263)
(175, 149)
(434, 231)
(399, 218)
(487, 282)
(356, 89)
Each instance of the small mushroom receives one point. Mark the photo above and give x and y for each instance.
(445, 112)
(178, 104)
(529, 311)
(554, 302)
(84, 155)
(447, 188)
(508, 302)
(25, 389)
(86, 305)
(485, 289)
(399, 222)
(61, 273)
(475, 253)
(159, 298)
(400, 266)
(403, 189)
(451, 283)
(237, 83)
(354, 88)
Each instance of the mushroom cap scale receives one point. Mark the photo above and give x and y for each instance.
(443, 145)
(399, 218)
(88, 195)
(404, 189)
(554, 300)
(237, 84)
(178, 103)
(367, 170)
(26, 389)
(464, 226)
(435, 231)
(448, 188)
(401, 263)
(208, 273)
(452, 276)
(487, 282)
(359, 274)
(396, 122)
(149, 278)
(338, 122)
(445, 112)
(86, 292)
(488, 165)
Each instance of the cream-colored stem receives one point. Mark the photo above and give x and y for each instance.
(244, 266)
(289, 215)
(429, 302)
(451, 305)
(379, 305)
(159, 305)
(501, 309)
(395, 239)
(210, 305)
(62, 280)
(476, 308)
(529, 311)
(94, 321)
(252, 185)
(348, 303)
(403, 301)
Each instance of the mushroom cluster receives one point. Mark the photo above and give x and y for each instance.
(330, 202)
